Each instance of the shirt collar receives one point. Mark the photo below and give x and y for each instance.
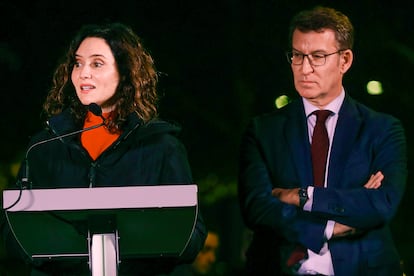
(333, 106)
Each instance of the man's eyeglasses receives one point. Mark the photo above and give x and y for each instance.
(316, 59)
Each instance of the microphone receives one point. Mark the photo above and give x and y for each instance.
(93, 107)
(96, 110)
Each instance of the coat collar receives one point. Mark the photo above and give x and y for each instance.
(63, 123)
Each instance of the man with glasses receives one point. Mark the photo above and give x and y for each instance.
(314, 213)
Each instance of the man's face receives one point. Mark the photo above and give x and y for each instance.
(319, 84)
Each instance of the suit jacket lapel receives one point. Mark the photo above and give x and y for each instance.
(297, 137)
(346, 132)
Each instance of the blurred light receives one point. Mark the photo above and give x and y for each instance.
(374, 88)
(281, 101)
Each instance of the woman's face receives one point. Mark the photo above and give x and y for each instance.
(95, 74)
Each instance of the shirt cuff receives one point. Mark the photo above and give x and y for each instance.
(308, 204)
(329, 229)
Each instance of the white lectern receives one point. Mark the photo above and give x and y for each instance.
(104, 225)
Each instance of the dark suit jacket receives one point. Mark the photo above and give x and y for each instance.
(275, 152)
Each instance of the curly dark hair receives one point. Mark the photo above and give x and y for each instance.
(320, 18)
(136, 91)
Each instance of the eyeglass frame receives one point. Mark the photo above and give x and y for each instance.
(309, 59)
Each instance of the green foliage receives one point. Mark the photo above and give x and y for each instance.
(212, 189)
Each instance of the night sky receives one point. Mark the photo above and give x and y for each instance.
(220, 63)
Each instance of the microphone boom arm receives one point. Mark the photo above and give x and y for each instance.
(25, 178)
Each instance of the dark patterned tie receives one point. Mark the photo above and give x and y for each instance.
(319, 147)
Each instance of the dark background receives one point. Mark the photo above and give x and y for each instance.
(220, 62)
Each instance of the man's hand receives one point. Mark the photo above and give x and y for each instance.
(341, 230)
(289, 196)
(374, 181)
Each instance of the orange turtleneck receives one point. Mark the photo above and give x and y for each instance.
(97, 140)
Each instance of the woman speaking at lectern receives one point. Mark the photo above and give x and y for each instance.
(107, 79)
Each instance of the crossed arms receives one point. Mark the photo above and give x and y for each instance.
(291, 196)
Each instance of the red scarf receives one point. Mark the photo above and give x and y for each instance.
(97, 140)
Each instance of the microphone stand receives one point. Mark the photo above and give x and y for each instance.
(24, 182)
(25, 177)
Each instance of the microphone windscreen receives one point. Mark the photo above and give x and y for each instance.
(95, 109)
